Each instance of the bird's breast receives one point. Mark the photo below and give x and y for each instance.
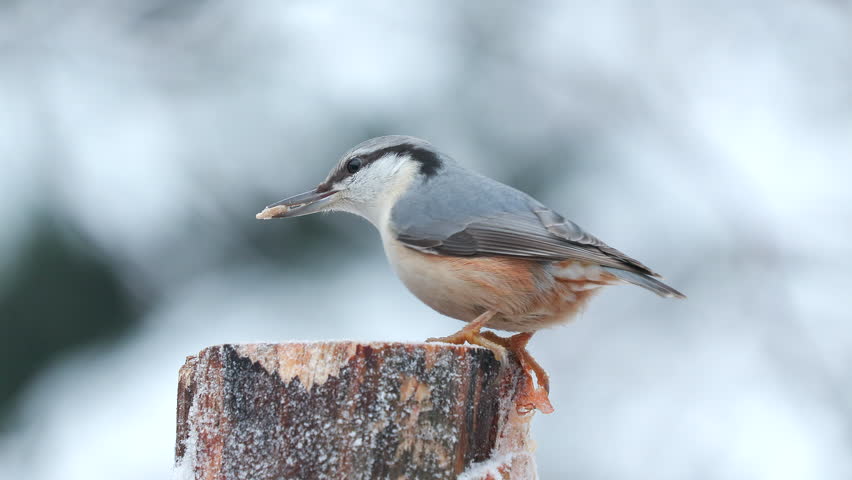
(436, 281)
(527, 294)
(464, 287)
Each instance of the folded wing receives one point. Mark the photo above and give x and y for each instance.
(519, 227)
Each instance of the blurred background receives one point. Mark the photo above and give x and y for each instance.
(711, 140)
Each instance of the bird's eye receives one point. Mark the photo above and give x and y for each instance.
(354, 165)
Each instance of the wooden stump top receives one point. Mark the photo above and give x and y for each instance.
(346, 410)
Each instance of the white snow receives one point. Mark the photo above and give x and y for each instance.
(481, 471)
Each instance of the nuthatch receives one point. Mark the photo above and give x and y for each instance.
(472, 248)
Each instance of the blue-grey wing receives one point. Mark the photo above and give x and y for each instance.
(464, 214)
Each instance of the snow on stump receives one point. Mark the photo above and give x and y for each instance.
(347, 410)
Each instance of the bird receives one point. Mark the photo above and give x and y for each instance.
(472, 248)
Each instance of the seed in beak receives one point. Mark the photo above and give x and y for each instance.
(272, 212)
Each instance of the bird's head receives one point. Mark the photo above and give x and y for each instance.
(367, 180)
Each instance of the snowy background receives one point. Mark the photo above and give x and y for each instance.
(711, 140)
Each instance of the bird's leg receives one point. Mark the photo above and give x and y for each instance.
(471, 333)
(529, 397)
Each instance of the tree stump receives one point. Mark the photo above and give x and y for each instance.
(346, 410)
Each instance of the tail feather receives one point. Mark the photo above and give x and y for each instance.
(646, 281)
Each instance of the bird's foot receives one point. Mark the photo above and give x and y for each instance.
(474, 337)
(530, 397)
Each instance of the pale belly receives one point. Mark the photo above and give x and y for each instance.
(526, 295)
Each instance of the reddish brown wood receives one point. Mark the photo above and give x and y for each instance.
(345, 410)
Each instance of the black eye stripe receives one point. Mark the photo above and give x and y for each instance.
(430, 163)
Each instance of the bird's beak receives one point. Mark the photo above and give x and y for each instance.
(298, 205)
